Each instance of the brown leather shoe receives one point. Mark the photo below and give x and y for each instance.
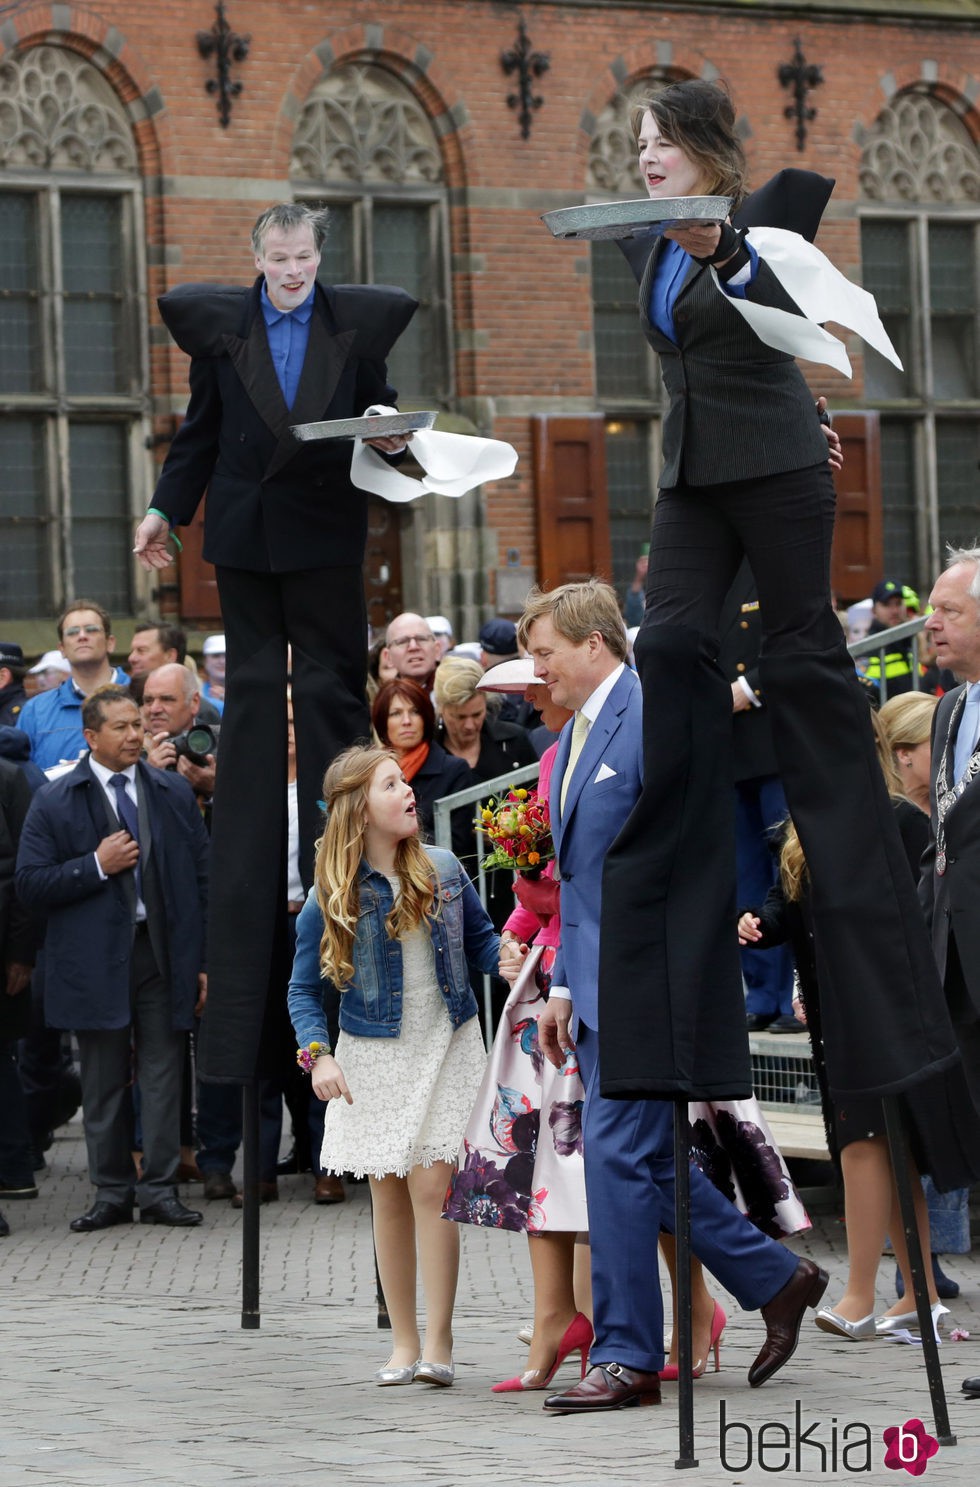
(606, 1386)
(783, 1315)
(329, 1189)
(268, 1193)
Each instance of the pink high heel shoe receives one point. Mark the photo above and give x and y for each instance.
(718, 1324)
(577, 1339)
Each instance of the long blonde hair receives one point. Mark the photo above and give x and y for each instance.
(338, 859)
(792, 863)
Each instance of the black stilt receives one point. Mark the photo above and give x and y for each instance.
(898, 1147)
(251, 1316)
(682, 1243)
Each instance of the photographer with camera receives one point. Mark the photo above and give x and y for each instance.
(174, 738)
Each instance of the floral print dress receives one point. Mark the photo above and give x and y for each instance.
(521, 1163)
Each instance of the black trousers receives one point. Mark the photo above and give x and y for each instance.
(321, 615)
(672, 1013)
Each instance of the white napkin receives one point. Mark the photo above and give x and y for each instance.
(453, 464)
(822, 293)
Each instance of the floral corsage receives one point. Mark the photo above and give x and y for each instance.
(519, 826)
(307, 1057)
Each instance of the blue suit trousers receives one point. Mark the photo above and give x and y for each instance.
(629, 1180)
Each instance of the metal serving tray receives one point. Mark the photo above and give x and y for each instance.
(623, 219)
(377, 426)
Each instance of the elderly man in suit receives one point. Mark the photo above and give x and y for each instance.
(949, 886)
(116, 855)
(576, 638)
(286, 531)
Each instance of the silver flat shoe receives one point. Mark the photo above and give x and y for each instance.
(831, 1321)
(435, 1373)
(525, 1334)
(909, 1320)
(388, 1375)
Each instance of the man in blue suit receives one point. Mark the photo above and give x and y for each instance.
(575, 635)
(115, 854)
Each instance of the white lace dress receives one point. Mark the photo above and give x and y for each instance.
(412, 1094)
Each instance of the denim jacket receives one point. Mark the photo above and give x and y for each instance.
(371, 1006)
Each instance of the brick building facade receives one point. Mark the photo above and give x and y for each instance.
(118, 181)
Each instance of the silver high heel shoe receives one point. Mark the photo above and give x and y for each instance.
(907, 1320)
(831, 1321)
(389, 1375)
(435, 1373)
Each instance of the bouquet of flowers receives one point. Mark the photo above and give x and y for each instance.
(519, 827)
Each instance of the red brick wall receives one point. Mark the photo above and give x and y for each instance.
(532, 299)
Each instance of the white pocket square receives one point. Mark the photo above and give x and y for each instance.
(605, 773)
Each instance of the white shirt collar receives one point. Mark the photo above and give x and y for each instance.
(104, 775)
(593, 705)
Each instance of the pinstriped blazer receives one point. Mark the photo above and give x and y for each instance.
(738, 408)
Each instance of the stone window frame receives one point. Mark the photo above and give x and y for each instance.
(412, 174)
(29, 173)
(916, 177)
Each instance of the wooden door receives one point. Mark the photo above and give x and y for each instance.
(571, 499)
(857, 560)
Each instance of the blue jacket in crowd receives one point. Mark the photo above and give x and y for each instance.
(53, 722)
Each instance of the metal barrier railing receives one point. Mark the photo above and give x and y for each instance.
(887, 640)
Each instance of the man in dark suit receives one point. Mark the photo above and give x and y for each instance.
(286, 531)
(115, 854)
(576, 638)
(949, 886)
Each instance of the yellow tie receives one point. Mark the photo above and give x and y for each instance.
(580, 732)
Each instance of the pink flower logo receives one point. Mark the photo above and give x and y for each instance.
(909, 1446)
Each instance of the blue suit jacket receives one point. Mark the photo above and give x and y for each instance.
(89, 937)
(595, 810)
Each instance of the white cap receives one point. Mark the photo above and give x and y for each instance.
(508, 676)
(438, 624)
(214, 645)
(51, 661)
(472, 649)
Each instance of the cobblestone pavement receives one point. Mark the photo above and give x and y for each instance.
(123, 1363)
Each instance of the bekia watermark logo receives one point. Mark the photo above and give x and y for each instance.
(818, 1447)
(909, 1446)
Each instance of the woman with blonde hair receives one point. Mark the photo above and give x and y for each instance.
(907, 721)
(391, 924)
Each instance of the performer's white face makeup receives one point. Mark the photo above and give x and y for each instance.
(289, 261)
(665, 168)
(390, 806)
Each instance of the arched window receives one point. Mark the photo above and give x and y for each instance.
(365, 147)
(628, 384)
(920, 252)
(72, 373)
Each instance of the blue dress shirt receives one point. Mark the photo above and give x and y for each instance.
(668, 280)
(289, 334)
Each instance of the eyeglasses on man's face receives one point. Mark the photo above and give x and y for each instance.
(75, 630)
(397, 645)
